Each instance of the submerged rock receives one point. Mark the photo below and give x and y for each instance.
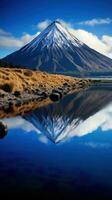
(55, 96)
(3, 130)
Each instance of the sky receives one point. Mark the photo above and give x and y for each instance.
(89, 21)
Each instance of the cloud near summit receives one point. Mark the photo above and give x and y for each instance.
(94, 22)
(102, 45)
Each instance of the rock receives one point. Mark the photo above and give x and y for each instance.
(2, 95)
(65, 84)
(8, 107)
(18, 103)
(43, 94)
(55, 96)
(7, 87)
(58, 91)
(3, 130)
(17, 93)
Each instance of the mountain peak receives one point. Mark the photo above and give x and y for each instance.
(57, 34)
(55, 49)
(56, 22)
(53, 37)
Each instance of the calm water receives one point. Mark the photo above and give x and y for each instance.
(63, 150)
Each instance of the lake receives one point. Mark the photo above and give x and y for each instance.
(63, 150)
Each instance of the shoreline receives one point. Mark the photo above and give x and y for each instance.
(22, 90)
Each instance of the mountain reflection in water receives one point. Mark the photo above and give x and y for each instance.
(73, 115)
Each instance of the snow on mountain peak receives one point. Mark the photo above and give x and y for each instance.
(54, 34)
(61, 35)
(55, 49)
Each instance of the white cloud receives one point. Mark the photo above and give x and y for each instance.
(19, 122)
(65, 24)
(102, 119)
(43, 139)
(103, 45)
(27, 37)
(42, 25)
(9, 41)
(95, 21)
(98, 145)
(2, 32)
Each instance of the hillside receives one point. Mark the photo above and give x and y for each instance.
(5, 64)
(23, 90)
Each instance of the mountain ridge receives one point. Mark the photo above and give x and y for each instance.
(55, 49)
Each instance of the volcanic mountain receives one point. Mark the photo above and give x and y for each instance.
(55, 49)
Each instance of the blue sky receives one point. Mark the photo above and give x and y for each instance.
(18, 18)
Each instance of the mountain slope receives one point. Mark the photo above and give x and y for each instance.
(57, 50)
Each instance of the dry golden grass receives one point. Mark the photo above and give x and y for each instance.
(20, 80)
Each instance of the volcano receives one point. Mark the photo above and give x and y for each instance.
(56, 50)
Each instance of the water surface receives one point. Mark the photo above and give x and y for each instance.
(63, 149)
